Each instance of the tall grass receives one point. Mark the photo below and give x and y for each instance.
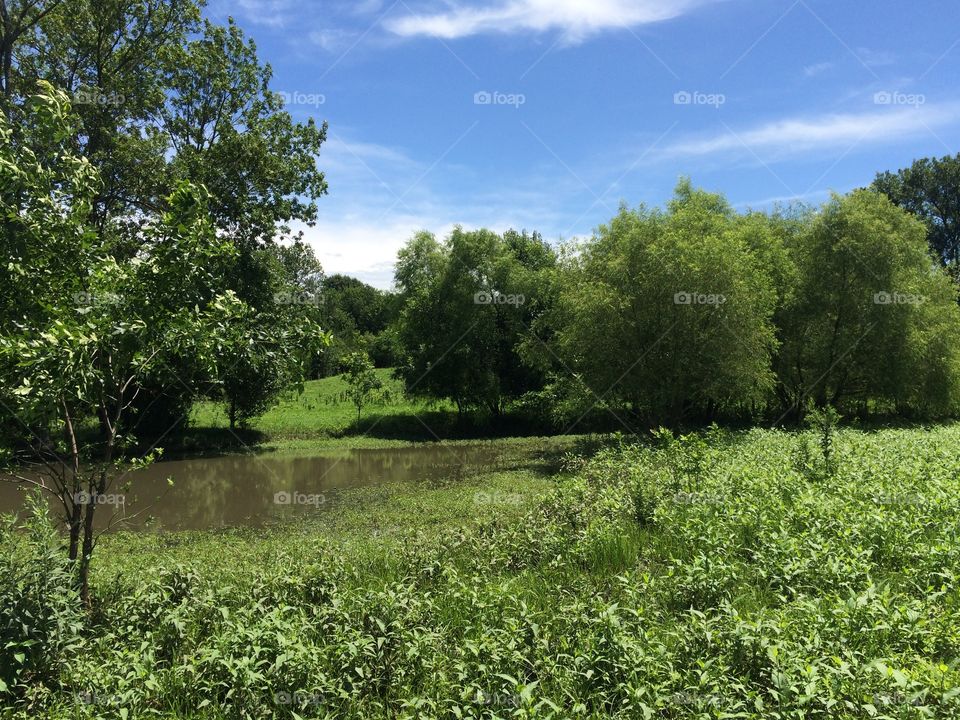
(708, 576)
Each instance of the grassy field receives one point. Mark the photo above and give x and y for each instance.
(323, 417)
(746, 575)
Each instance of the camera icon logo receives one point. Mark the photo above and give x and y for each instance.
(683, 298)
(682, 98)
(884, 97)
(282, 498)
(482, 98)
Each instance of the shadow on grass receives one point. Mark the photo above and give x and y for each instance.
(201, 441)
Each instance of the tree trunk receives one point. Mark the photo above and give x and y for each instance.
(83, 567)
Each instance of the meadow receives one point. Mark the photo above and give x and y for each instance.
(750, 574)
(320, 416)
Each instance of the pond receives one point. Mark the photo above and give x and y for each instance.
(255, 490)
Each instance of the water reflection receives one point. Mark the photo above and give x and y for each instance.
(255, 490)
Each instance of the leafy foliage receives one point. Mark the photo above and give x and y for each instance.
(754, 590)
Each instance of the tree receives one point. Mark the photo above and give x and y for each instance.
(230, 132)
(872, 317)
(272, 346)
(669, 312)
(93, 324)
(930, 189)
(164, 97)
(362, 379)
(17, 19)
(465, 316)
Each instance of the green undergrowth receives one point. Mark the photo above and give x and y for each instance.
(717, 575)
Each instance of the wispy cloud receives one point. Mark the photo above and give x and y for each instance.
(575, 18)
(332, 39)
(797, 135)
(876, 58)
(380, 196)
(817, 69)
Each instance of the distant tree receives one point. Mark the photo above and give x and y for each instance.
(418, 263)
(274, 345)
(353, 304)
(872, 318)
(468, 306)
(930, 189)
(669, 313)
(362, 379)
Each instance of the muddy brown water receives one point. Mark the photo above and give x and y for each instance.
(256, 490)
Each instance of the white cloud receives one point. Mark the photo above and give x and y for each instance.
(364, 248)
(380, 196)
(578, 19)
(331, 39)
(816, 69)
(876, 58)
(795, 135)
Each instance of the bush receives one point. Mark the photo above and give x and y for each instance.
(40, 612)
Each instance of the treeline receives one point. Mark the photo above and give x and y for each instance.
(693, 312)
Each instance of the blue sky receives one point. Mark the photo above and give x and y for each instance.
(546, 114)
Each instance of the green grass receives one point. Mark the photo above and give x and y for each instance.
(322, 409)
(739, 578)
(322, 417)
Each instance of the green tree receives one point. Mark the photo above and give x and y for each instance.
(669, 312)
(872, 317)
(362, 379)
(467, 307)
(94, 324)
(165, 97)
(930, 189)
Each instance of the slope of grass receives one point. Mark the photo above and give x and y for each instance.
(321, 409)
(731, 575)
(322, 416)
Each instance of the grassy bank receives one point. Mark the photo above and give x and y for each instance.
(322, 417)
(740, 576)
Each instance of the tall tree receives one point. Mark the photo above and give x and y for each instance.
(872, 317)
(466, 314)
(669, 312)
(930, 189)
(94, 324)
